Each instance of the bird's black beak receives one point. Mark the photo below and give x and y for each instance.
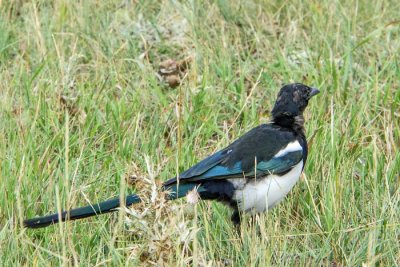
(314, 91)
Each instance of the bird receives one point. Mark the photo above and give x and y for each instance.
(251, 175)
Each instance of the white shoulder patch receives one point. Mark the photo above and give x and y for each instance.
(291, 147)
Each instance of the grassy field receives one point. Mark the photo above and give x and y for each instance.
(88, 98)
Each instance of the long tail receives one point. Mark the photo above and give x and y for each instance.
(104, 207)
(79, 213)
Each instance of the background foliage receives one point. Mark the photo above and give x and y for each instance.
(94, 92)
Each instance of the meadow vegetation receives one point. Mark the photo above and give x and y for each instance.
(95, 93)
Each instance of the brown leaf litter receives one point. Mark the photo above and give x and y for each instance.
(172, 72)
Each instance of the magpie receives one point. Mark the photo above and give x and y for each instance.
(252, 174)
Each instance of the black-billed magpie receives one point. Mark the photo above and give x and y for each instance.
(253, 174)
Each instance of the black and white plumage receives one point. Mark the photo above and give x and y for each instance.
(258, 170)
(253, 174)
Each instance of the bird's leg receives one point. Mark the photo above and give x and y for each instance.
(236, 218)
(236, 222)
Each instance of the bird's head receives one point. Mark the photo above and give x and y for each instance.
(291, 102)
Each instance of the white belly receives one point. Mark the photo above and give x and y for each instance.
(264, 193)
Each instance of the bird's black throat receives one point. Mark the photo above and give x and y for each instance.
(295, 123)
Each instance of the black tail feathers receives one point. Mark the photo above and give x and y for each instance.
(111, 205)
(79, 213)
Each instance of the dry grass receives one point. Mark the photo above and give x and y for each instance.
(87, 100)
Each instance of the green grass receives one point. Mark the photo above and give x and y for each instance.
(116, 119)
